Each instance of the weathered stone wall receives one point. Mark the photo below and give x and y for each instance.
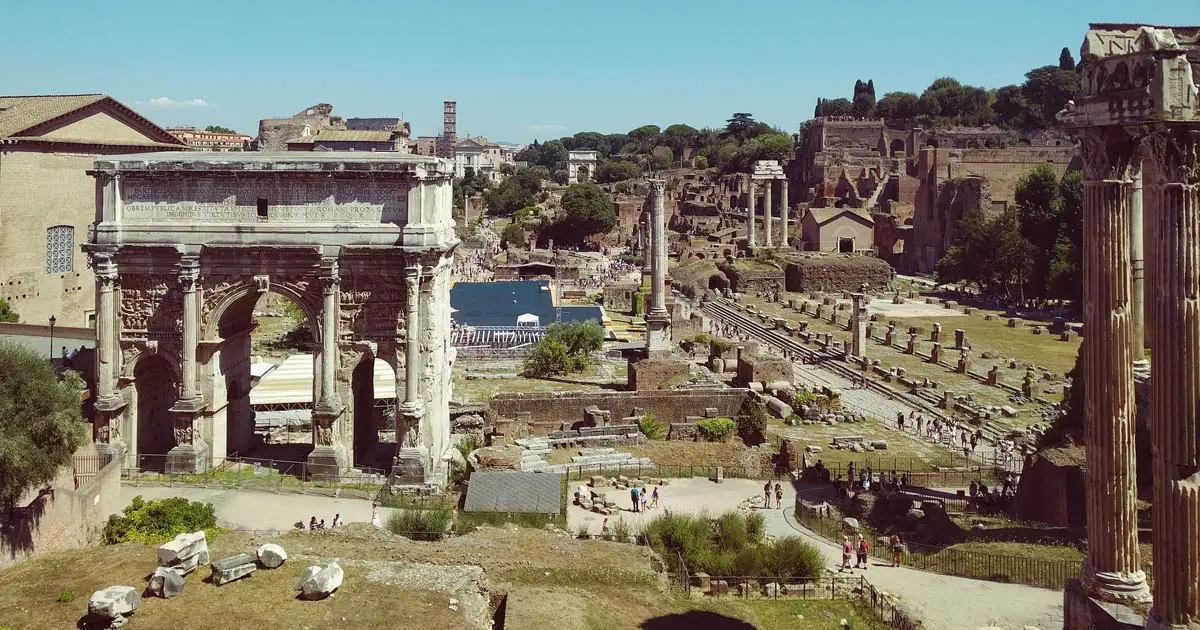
(757, 368)
(1051, 490)
(550, 411)
(657, 373)
(836, 273)
(63, 518)
(747, 277)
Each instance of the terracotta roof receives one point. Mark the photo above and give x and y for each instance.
(344, 135)
(825, 215)
(18, 113)
(22, 114)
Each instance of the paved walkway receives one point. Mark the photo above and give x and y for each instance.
(942, 602)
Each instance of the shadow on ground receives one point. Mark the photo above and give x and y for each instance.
(694, 620)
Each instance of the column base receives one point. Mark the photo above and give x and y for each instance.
(408, 467)
(109, 451)
(658, 333)
(325, 463)
(1081, 612)
(110, 405)
(1121, 588)
(187, 458)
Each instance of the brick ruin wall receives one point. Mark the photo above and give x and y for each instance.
(746, 279)
(837, 273)
(1003, 167)
(64, 518)
(553, 411)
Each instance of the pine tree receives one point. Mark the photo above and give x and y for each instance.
(1065, 60)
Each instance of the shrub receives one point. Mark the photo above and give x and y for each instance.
(621, 531)
(717, 347)
(752, 425)
(157, 521)
(652, 427)
(66, 596)
(584, 531)
(470, 521)
(748, 561)
(804, 398)
(716, 429)
(756, 527)
(791, 556)
(674, 534)
(420, 524)
(731, 532)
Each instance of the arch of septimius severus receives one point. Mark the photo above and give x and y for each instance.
(1138, 122)
(186, 243)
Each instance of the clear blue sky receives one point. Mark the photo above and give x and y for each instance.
(532, 69)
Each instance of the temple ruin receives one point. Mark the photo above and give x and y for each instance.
(1138, 122)
(186, 244)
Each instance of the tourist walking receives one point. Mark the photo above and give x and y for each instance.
(778, 495)
(861, 559)
(604, 528)
(375, 515)
(654, 498)
(897, 549)
(767, 493)
(337, 520)
(847, 548)
(645, 499)
(900, 420)
(633, 495)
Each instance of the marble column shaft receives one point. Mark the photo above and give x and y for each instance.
(412, 343)
(1112, 568)
(1137, 265)
(767, 212)
(189, 279)
(329, 294)
(783, 211)
(658, 244)
(1175, 385)
(106, 322)
(752, 241)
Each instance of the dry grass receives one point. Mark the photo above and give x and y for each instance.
(481, 390)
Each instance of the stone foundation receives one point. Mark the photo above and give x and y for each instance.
(658, 373)
(1081, 612)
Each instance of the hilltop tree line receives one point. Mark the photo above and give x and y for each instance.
(1032, 105)
(731, 149)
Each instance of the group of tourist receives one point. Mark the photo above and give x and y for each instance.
(860, 549)
(777, 490)
(315, 525)
(474, 268)
(615, 272)
(641, 500)
(996, 498)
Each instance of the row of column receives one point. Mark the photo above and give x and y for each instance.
(1112, 235)
(768, 212)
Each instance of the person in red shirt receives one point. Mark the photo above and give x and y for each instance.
(847, 549)
(861, 548)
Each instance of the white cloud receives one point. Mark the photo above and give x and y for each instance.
(545, 127)
(166, 101)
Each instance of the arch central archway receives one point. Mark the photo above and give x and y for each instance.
(156, 392)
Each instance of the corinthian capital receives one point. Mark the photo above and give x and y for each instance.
(189, 273)
(105, 268)
(330, 274)
(1108, 153)
(1176, 151)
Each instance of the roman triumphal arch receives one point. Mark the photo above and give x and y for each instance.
(186, 243)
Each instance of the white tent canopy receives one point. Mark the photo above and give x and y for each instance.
(529, 319)
(291, 382)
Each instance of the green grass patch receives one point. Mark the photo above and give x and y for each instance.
(430, 525)
(471, 521)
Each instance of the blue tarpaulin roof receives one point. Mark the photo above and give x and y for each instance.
(501, 303)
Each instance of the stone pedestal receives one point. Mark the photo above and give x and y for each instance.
(935, 335)
(935, 353)
(960, 339)
(408, 467)
(1081, 611)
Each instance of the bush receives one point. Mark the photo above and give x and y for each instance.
(621, 531)
(791, 556)
(157, 521)
(731, 532)
(752, 425)
(718, 347)
(807, 399)
(471, 521)
(66, 596)
(716, 429)
(652, 427)
(428, 525)
(756, 527)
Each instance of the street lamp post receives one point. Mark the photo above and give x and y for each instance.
(52, 320)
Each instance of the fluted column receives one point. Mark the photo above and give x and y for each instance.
(1137, 262)
(658, 321)
(1175, 385)
(783, 212)
(108, 402)
(1112, 568)
(768, 219)
(751, 240)
(412, 345)
(190, 452)
(327, 458)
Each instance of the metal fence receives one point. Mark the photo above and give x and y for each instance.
(259, 474)
(1051, 574)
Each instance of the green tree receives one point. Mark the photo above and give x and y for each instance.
(680, 138)
(954, 102)
(1013, 110)
(1048, 89)
(837, 107)
(609, 171)
(700, 161)
(514, 193)
(897, 106)
(863, 103)
(1040, 208)
(8, 315)
(565, 348)
(740, 125)
(770, 146)
(40, 421)
(512, 234)
(548, 358)
(219, 129)
(645, 137)
(989, 252)
(588, 210)
(1065, 60)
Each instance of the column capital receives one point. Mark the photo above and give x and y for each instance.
(1175, 149)
(189, 272)
(330, 274)
(1109, 153)
(105, 268)
(656, 186)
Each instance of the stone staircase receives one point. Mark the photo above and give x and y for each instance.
(535, 450)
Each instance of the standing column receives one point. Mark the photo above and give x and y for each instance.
(783, 210)
(1175, 386)
(409, 466)
(1112, 569)
(1137, 264)
(768, 212)
(327, 459)
(857, 326)
(751, 241)
(190, 452)
(658, 321)
(109, 403)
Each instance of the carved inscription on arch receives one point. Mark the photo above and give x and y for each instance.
(354, 201)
